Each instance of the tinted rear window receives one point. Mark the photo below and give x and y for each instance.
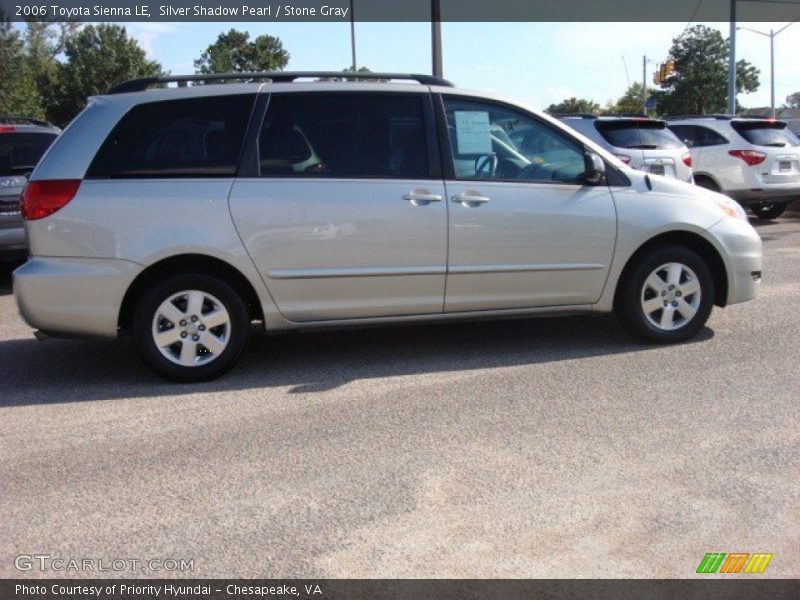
(196, 137)
(19, 152)
(766, 134)
(645, 135)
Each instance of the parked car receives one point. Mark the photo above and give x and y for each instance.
(755, 161)
(22, 143)
(183, 215)
(640, 142)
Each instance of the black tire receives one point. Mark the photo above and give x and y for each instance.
(629, 305)
(767, 211)
(236, 331)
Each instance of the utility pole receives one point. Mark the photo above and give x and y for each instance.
(732, 63)
(353, 67)
(436, 38)
(644, 85)
(771, 35)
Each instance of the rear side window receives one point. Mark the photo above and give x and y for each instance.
(766, 134)
(195, 137)
(19, 152)
(348, 135)
(646, 135)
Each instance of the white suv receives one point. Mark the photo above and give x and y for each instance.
(754, 161)
(181, 216)
(640, 142)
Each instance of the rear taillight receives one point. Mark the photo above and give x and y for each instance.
(687, 159)
(751, 157)
(7, 128)
(42, 198)
(624, 158)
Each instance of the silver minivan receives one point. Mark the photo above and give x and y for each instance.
(183, 215)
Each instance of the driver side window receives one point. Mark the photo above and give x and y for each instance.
(491, 142)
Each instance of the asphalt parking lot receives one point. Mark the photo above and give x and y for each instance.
(528, 448)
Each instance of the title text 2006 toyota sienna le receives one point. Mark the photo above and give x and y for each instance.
(181, 215)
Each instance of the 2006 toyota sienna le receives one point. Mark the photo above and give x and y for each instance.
(183, 214)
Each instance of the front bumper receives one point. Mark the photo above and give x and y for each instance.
(12, 239)
(741, 252)
(73, 296)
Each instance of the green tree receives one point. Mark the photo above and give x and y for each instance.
(18, 92)
(234, 52)
(630, 103)
(793, 100)
(699, 85)
(97, 57)
(574, 106)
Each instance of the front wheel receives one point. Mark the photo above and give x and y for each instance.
(191, 327)
(768, 210)
(667, 297)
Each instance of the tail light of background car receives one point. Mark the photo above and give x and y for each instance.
(42, 198)
(751, 157)
(624, 158)
(687, 159)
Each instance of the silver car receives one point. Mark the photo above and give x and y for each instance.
(23, 141)
(640, 142)
(183, 215)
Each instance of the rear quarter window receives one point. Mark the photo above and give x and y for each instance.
(193, 137)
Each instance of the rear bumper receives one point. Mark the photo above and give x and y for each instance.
(774, 193)
(12, 239)
(73, 296)
(742, 256)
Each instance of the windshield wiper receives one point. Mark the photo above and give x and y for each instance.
(643, 146)
(776, 145)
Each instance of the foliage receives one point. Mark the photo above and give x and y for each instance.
(574, 106)
(234, 52)
(699, 85)
(18, 92)
(793, 100)
(630, 103)
(97, 58)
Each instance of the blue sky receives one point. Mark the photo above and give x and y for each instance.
(538, 63)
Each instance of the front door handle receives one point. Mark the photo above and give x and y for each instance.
(422, 197)
(470, 198)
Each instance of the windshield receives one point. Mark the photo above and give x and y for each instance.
(646, 135)
(767, 134)
(19, 152)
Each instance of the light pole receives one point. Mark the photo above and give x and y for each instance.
(732, 62)
(771, 35)
(436, 38)
(353, 34)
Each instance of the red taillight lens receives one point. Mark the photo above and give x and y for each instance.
(687, 159)
(42, 198)
(623, 158)
(7, 128)
(751, 157)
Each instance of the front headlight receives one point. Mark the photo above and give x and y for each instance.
(730, 207)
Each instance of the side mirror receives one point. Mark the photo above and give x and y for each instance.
(594, 169)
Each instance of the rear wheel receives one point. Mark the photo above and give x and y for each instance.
(668, 296)
(191, 327)
(706, 183)
(768, 210)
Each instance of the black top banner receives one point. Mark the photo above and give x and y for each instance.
(401, 10)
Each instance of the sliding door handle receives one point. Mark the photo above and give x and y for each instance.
(422, 197)
(470, 198)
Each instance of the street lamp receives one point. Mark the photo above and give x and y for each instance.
(771, 35)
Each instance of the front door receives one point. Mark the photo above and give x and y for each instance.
(525, 231)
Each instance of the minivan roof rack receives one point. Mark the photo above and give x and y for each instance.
(140, 85)
(24, 121)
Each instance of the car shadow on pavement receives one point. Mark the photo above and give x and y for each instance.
(60, 370)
